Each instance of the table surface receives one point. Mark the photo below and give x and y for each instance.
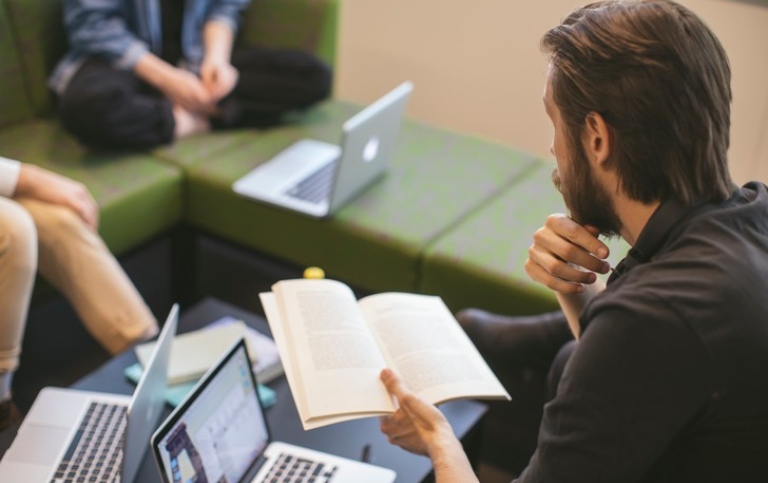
(344, 439)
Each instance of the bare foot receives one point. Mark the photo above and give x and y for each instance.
(189, 123)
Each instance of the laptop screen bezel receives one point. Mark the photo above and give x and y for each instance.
(382, 120)
(146, 406)
(184, 406)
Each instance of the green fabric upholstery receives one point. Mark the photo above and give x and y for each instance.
(435, 179)
(480, 263)
(14, 102)
(308, 25)
(138, 195)
(40, 42)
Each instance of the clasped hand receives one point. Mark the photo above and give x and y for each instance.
(565, 256)
(200, 94)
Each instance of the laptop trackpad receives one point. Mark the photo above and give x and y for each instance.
(39, 445)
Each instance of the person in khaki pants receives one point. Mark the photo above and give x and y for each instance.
(49, 223)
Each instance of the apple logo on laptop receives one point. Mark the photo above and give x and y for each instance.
(371, 149)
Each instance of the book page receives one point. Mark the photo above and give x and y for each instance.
(332, 349)
(272, 311)
(424, 343)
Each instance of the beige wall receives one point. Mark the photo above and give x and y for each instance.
(477, 67)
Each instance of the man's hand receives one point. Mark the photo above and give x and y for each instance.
(185, 89)
(218, 77)
(419, 427)
(40, 184)
(565, 255)
(181, 87)
(413, 422)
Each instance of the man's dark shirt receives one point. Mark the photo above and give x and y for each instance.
(669, 381)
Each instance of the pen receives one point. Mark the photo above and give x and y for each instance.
(365, 457)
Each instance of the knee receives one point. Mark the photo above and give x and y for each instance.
(86, 110)
(324, 80)
(321, 83)
(18, 238)
(84, 99)
(59, 223)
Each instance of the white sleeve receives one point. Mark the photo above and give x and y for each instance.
(9, 176)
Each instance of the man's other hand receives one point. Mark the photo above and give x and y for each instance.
(219, 77)
(44, 185)
(419, 427)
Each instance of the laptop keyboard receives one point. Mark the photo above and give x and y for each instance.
(292, 469)
(95, 453)
(316, 187)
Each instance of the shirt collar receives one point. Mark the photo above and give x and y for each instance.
(660, 225)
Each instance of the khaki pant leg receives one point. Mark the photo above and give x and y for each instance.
(18, 265)
(77, 262)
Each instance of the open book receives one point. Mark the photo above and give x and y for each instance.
(334, 347)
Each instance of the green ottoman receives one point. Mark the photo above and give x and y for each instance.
(436, 178)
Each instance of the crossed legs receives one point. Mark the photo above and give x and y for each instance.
(34, 236)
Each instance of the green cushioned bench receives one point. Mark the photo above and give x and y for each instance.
(435, 179)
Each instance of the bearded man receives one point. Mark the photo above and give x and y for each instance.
(663, 382)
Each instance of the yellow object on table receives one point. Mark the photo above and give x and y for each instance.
(314, 272)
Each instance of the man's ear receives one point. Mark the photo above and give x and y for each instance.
(598, 139)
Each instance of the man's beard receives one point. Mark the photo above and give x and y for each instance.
(587, 201)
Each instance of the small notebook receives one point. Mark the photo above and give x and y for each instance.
(193, 353)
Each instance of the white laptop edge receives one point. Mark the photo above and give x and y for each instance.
(44, 435)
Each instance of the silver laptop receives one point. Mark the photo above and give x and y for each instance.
(317, 178)
(219, 433)
(71, 435)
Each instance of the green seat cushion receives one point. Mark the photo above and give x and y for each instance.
(481, 262)
(188, 151)
(435, 179)
(308, 25)
(14, 101)
(38, 30)
(139, 196)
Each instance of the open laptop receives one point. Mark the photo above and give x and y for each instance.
(219, 433)
(54, 442)
(317, 178)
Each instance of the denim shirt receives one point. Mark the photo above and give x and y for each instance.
(121, 31)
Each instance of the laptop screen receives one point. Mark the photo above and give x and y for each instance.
(219, 430)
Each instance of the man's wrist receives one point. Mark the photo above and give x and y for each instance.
(450, 462)
(153, 70)
(218, 38)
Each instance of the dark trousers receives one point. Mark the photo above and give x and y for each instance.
(110, 108)
(530, 369)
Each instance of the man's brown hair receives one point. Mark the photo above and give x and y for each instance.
(661, 80)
